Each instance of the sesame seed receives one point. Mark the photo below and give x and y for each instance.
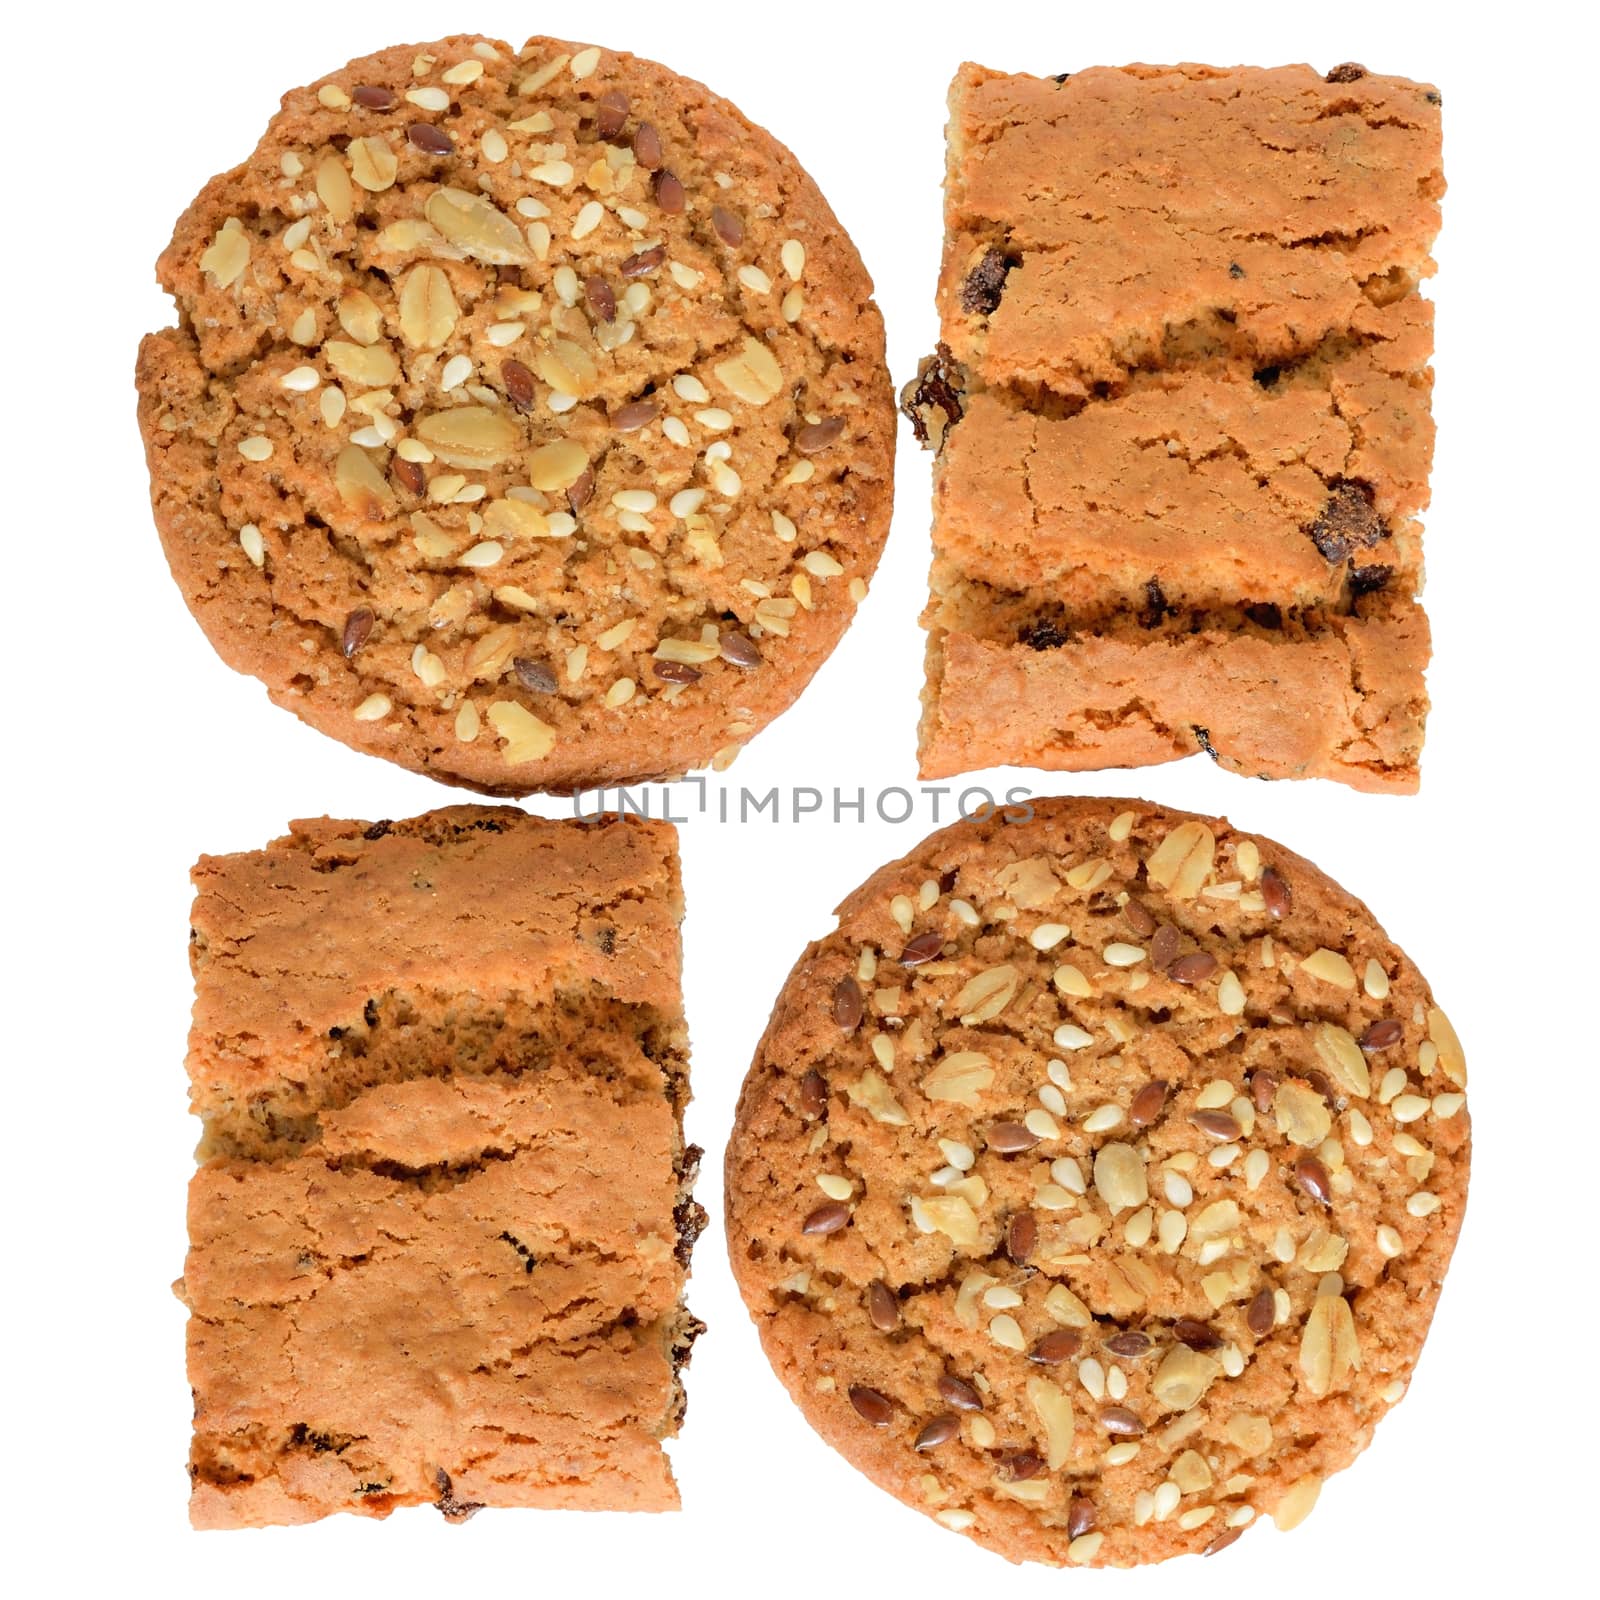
(1006, 1333)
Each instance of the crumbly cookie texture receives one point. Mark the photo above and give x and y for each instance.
(526, 422)
(1095, 1181)
(441, 1224)
(1181, 406)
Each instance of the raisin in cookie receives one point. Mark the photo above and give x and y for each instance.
(1094, 1183)
(526, 422)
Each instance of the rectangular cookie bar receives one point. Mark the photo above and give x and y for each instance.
(440, 1228)
(1181, 409)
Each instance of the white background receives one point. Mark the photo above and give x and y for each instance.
(133, 749)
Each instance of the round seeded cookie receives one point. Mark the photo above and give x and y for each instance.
(1094, 1183)
(526, 422)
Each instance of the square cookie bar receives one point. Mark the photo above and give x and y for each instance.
(1181, 408)
(441, 1224)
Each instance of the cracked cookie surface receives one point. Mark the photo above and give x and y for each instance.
(526, 422)
(1094, 1183)
(441, 1225)
(1182, 405)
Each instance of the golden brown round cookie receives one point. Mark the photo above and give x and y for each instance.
(526, 422)
(1094, 1182)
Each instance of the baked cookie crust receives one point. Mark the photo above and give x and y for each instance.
(441, 1225)
(526, 422)
(1182, 411)
(1094, 1183)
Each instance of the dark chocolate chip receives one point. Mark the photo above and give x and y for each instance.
(452, 1509)
(932, 400)
(1156, 610)
(980, 294)
(1043, 636)
(1348, 522)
